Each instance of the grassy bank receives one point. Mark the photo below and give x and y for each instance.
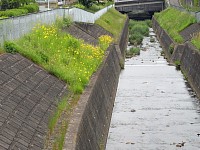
(61, 54)
(68, 58)
(112, 21)
(174, 21)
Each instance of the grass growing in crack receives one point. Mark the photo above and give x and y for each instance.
(174, 21)
(177, 64)
(195, 41)
(58, 144)
(171, 48)
(58, 125)
(62, 106)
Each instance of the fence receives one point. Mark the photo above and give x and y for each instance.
(14, 28)
(79, 15)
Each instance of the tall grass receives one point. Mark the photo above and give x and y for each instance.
(137, 30)
(174, 21)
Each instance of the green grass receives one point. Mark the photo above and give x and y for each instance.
(61, 54)
(31, 8)
(133, 51)
(137, 30)
(196, 41)
(62, 106)
(174, 21)
(112, 21)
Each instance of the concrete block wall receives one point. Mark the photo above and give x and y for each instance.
(190, 66)
(164, 38)
(123, 40)
(91, 118)
(186, 53)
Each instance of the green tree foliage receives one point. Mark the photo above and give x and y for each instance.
(11, 4)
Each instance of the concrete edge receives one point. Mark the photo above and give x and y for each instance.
(186, 54)
(85, 131)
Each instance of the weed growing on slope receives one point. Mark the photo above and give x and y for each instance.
(174, 21)
(112, 21)
(61, 54)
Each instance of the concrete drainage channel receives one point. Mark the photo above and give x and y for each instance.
(154, 107)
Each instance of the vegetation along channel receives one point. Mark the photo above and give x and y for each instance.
(155, 108)
(65, 64)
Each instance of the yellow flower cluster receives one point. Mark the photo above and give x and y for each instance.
(105, 39)
(70, 59)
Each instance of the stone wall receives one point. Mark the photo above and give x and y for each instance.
(88, 128)
(186, 53)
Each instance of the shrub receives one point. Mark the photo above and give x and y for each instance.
(142, 29)
(134, 51)
(10, 47)
(31, 8)
(137, 30)
(136, 38)
(79, 6)
(13, 12)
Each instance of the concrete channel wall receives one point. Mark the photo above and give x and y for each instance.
(186, 53)
(88, 128)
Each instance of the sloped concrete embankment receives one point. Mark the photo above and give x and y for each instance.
(186, 53)
(90, 121)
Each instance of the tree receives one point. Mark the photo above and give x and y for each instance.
(86, 3)
(4, 4)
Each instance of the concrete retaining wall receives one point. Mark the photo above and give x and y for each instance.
(163, 37)
(186, 53)
(88, 128)
(190, 66)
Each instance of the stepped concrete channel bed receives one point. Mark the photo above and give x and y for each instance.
(29, 95)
